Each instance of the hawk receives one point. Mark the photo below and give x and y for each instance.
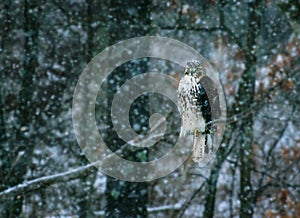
(195, 110)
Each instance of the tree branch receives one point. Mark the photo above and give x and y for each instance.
(186, 205)
(47, 181)
(76, 173)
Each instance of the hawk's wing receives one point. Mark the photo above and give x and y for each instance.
(213, 96)
(203, 103)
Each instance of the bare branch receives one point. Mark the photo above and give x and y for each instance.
(47, 181)
(186, 205)
(76, 173)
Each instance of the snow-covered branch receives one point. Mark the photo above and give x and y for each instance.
(46, 181)
(76, 173)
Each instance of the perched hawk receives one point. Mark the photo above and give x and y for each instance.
(195, 109)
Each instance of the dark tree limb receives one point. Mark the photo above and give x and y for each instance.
(186, 205)
(245, 97)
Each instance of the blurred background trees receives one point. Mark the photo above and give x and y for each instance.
(254, 47)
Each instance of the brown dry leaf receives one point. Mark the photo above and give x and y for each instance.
(284, 215)
(230, 76)
(173, 5)
(296, 153)
(261, 86)
(293, 47)
(291, 204)
(270, 179)
(239, 55)
(283, 196)
(231, 90)
(298, 210)
(269, 214)
(272, 73)
(288, 85)
(284, 152)
(285, 155)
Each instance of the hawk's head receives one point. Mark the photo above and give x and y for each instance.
(194, 69)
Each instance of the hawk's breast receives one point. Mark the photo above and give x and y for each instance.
(189, 109)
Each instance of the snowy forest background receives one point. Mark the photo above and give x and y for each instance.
(254, 47)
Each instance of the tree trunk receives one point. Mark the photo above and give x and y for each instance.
(128, 19)
(211, 193)
(246, 94)
(87, 182)
(245, 97)
(23, 146)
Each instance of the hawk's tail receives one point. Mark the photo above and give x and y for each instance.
(202, 144)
